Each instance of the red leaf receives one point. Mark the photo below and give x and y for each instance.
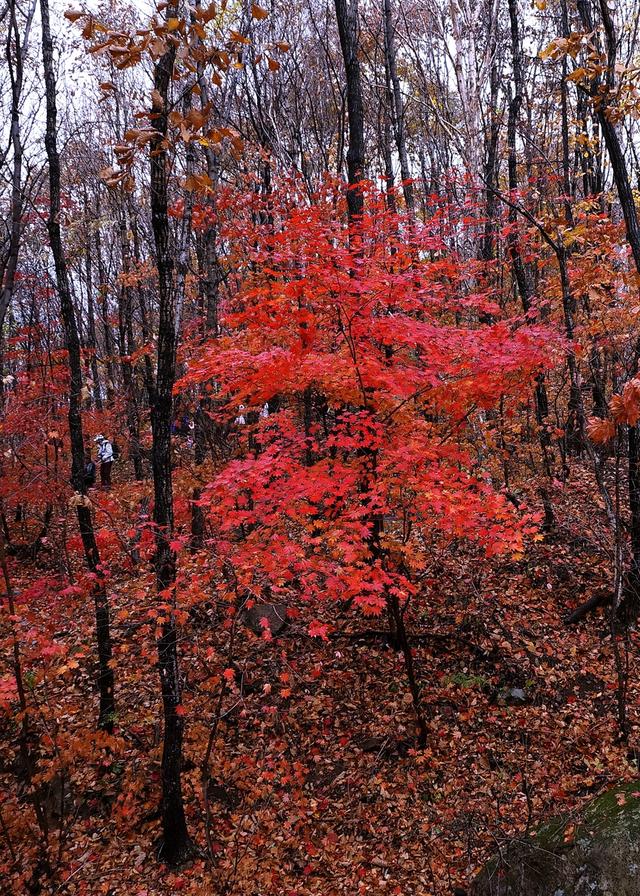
(318, 630)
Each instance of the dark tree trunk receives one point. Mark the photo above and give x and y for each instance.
(26, 739)
(608, 129)
(348, 28)
(623, 185)
(385, 140)
(104, 310)
(564, 119)
(519, 269)
(397, 107)
(210, 279)
(148, 374)
(176, 843)
(92, 342)
(575, 428)
(491, 168)
(586, 158)
(399, 630)
(15, 68)
(634, 507)
(125, 329)
(600, 93)
(83, 506)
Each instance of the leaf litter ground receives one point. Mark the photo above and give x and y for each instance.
(314, 783)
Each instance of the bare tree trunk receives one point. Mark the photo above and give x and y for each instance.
(385, 142)
(125, 329)
(348, 28)
(104, 309)
(600, 93)
(210, 279)
(83, 506)
(487, 251)
(26, 739)
(15, 67)
(92, 341)
(176, 842)
(145, 324)
(519, 270)
(609, 132)
(397, 106)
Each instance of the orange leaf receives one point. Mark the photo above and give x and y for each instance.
(601, 431)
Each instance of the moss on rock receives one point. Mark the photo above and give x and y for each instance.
(597, 854)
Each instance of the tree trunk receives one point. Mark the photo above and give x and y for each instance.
(15, 66)
(491, 162)
(92, 341)
(600, 93)
(385, 141)
(397, 107)
(609, 132)
(519, 270)
(125, 329)
(104, 310)
(634, 506)
(348, 28)
(83, 506)
(210, 279)
(176, 843)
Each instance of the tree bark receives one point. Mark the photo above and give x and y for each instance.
(176, 844)
(92, 341)
(15, 67)
(125, 330)
(608, 129)
(600, 94)
(348, 28)
(104, 310)
(397, 106)
(83, 506)
(520, 273)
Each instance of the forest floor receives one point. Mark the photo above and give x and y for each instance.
(315, 785)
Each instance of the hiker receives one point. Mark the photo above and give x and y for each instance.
(241, 419)
(191, 427)
(264, 411)
(89, 475)
(181, 426)
(105, 456)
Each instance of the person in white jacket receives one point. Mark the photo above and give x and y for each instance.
(105, 456)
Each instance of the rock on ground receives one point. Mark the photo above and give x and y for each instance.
(595, 855)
